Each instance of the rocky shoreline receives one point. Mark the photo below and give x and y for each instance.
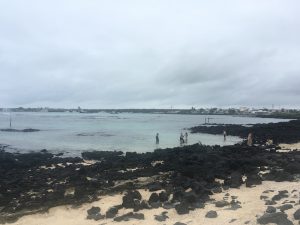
(282, 132)
(182, 178)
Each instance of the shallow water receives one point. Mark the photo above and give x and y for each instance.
(77, 132)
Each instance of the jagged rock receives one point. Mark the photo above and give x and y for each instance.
(153, 198)
(235, 180)
(94, 214)
(112, 212)
(182, 208)
(253, 179)
(163, 196)
(278, 218)
(211, 214)
(93, 210)
(129, 199)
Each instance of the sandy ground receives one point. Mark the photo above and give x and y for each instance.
(295, 146)
(252, 206)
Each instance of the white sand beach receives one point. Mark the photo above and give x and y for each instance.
(252, 207)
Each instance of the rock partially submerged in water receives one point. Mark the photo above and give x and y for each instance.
(20, 130)
(282, 132)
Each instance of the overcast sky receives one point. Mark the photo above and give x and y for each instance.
(149, 53)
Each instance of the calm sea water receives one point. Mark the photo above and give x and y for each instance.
(76, 132)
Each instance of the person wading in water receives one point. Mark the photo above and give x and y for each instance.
(225, 134)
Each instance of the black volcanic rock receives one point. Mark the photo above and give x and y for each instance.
(297, 214)
(112, 212)
(93, 210)
(23, 130)
(278, 218)
(188, 173)
(154, 197)
(163, 196)
(182, 208)
(282, 132)
(253, 179)
(211, 214)
(129, 199)
(129, 216)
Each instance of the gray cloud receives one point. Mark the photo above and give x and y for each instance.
(103, 54)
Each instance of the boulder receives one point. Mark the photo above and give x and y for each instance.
(297, 214)
(93, 211)
(163, 196)
(129, 199)
(253, 179)
(278, 218)
(153, 198)
(112, 212)
(182, 208)
(211, 214)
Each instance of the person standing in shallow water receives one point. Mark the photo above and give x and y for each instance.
(250, 139)
(186, 137)
(157, 138)
(225, 134)
(181, 139)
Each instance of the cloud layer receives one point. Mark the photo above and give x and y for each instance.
(120, 54)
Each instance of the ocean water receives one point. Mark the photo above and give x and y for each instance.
(73, 133)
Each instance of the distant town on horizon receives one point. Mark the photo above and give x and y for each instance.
(282, 112)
